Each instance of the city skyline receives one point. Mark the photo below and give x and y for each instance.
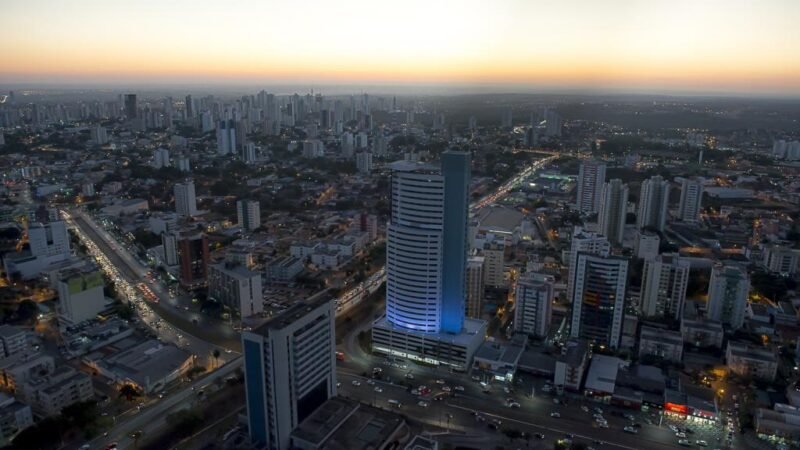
(712, 47)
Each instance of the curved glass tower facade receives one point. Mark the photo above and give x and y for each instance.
(427, 245)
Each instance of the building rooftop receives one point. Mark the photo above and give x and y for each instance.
(9, 331)
(294, 312)
(662, 336)
(602, 375)
(343, 424)
(141, 362)
(472, 327)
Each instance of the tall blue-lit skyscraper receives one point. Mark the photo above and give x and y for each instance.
(456, 171)
(426, 264)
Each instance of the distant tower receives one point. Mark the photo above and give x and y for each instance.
(185, 200)
(590, 180)
(691, 198)
(131, 106)
(653, 202)
(613, 210)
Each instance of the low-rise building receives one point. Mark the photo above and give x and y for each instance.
(571, 365)
(283, 270)
(748, 360)
(50, 393)
(779, 424)
(661, 343)
(12, 340)
(702, 333)
(149, 365)
(14, 417)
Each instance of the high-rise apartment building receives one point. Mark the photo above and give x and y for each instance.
(613, 210)
(664, 282)
(193, 256)
(80, 295)
(185, 200)
(226, 137)
(364, 162)
(131, 106)
(248, 214)
(169, 244)
(475, 286)
(691, 198)
(591, 178)
(586, 242)
(290, 370)
(533, 304)
(598, 302)
(728, 290)
(493, 251)
(653, 202)
(49, 240)
(160, 158)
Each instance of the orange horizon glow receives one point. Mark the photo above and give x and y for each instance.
(715, 45)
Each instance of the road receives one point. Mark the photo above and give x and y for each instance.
(151, 419)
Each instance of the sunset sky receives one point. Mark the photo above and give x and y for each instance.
(692, 45)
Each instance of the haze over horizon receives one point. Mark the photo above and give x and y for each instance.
(714, 46)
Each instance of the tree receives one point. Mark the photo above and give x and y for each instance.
(215, 354)
(27, 310)
(129, 391)
(185, 422)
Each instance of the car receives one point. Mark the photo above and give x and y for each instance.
(702, 443)
(598, 442)
(410, 376)
(440, 381)
(629, 417)
(598, 411)
(371, 381)
(630, 430)
(539, 436)
(338, 384)
(377, 370)
(506, 390)
(493, 426)
(85, 447)
(685, 442)
(688, 430)
(356, 383)
(378, 389)
(585, 408)
(415, 392)
(459, 388)
(602, 424)
(680, 434)
(513, 405)
(556, 401)
(673, 428)
(475, 378)
(422, 404)
(446, 388)
(555, 415)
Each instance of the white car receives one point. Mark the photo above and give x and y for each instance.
(446, 388)
(378, 389)
(440, 381)
(422, 404)
(630, 430)
(356, 383)
(459, 388)
(555, 415)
